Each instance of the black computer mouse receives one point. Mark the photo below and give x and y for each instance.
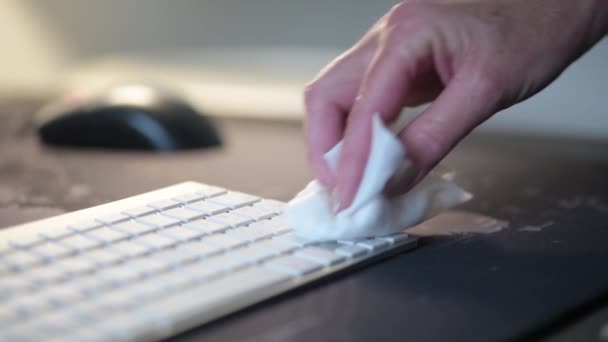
(132, 117)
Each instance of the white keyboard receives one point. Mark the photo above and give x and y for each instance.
(151, 266)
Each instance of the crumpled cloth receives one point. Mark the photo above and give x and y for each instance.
(371, 214)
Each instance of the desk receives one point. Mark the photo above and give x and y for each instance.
(544, 274)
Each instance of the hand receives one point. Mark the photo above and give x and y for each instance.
(471, 58)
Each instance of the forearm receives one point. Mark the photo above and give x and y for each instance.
(597, 22)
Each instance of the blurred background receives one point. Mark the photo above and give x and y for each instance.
(239, 58)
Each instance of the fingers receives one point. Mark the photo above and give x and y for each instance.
(328, 100)
(324, 127)
(463, 105)
(383, 91)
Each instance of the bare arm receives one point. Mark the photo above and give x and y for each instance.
(470, 58)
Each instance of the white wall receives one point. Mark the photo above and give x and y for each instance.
(30, 53)
(110, 26)
(42, 37)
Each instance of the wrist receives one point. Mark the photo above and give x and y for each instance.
(596, 19)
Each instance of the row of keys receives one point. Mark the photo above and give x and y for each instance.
(219, 200)
(304, 261)
(122, 249)
(271, 253)
(128, 313)
(87, 236)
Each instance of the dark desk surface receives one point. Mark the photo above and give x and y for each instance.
(543, 276)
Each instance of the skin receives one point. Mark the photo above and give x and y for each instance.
(471, 59)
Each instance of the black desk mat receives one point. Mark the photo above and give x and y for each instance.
(547, 269)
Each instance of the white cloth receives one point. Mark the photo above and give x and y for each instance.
(371, 214)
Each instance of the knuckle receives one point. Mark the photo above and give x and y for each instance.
(409, 11)
(409, 24)
(312, 95)
(431, 144)
(396, 45)
(490, 82)
(396, 13)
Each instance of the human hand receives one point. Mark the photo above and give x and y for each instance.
(471, 58)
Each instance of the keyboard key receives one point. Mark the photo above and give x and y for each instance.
(207, 208)
(139, 211)
(210, 191)
(293, 239)
(348, 242)
(164, 204)
(57, 323)
(155, 241)
(319, 255)
(85, 313)
(46, 275)
(112, 218)
(230, 219)
(107, 235)
(351, 251)
(183, 214)
(62, 296)
(374, 244)
(272, 205)
(277, 247)
(20, 260)
(132, 228)
(189, 198)
(7, 316)
(88, 285)
(84, 226)
(177, 280)
(23, 242)
(206, 226)
(103, 257)
(271, 226)
(30, 305)
(51, 250)
(5, 270)
(226, 263)
(292, 266)
(80, 242)
(173, 257)
(75, 266)
(12, 285)
(113, 301)
(129, 249)
(234, 199)
(144, 290)
(180, 233)
(56, 233)
(117, 276)
(248, 234)
(23, 333)
(147, 266)
(396, 238)
(200, 272)
(281, 218)
(253, 255)
(200, 249)
(158, 221)
(253, 213)
(223, 241)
